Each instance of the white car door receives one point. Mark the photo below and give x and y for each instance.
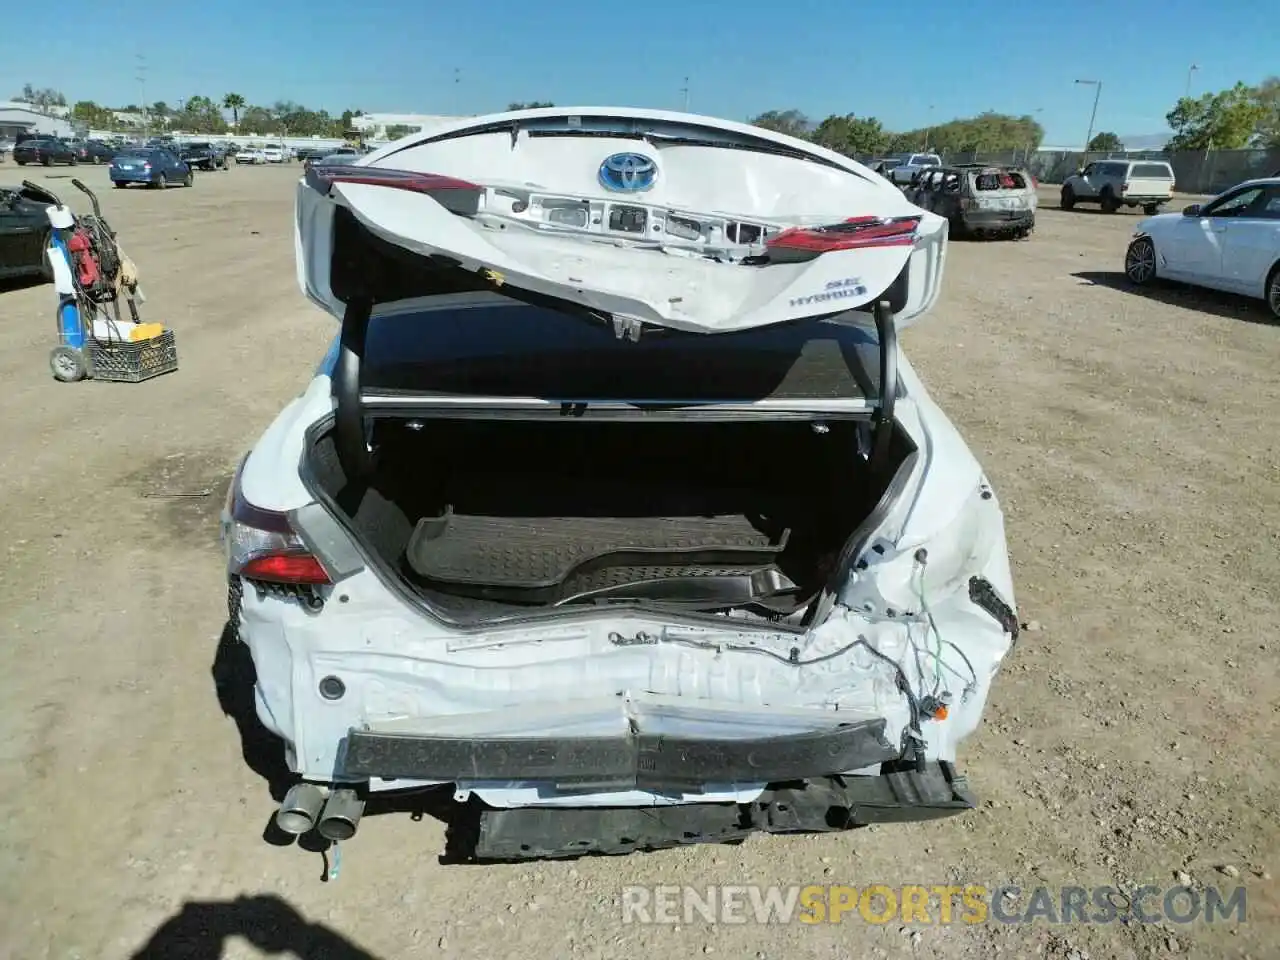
(1193, 251)
(1252, 244)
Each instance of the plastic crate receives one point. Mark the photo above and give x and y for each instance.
(132, 362)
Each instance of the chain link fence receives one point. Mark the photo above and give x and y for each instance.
(1194, 171)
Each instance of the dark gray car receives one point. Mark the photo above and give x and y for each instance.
(979, 200)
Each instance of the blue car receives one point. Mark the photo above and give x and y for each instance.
(153, 166)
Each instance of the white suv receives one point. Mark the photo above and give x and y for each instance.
(1116, 183)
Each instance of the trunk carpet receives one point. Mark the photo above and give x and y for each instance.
(537, 553)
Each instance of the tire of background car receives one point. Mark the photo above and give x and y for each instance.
(189, 180)
(1151, 209)
(67, 364)
(1140, 261)
(1273, 290)
(162, 182)
(1068, 198)
(1109, 202)
(119, 184)
(75, 161)
(47, 161)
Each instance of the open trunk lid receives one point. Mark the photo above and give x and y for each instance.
(637, 216)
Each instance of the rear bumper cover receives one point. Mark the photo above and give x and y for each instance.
(999, 219)
(645, 761)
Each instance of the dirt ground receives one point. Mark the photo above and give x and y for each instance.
(1131, 738)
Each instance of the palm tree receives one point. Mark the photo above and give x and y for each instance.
(234, 102)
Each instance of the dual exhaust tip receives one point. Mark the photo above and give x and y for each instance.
(335, 815)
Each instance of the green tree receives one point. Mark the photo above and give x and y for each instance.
(41, 98)
(1226, 120)
(1105, 141)
(850, 135)
(791, 122)
(1268, 97)
(531, 105)
(987, 132)
(258, 120)
(235, 103)
(398, 130)
(91, 115)
(200, 115)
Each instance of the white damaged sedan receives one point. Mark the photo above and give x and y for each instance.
(615, 507)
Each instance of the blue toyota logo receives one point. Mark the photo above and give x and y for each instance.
(628, 172)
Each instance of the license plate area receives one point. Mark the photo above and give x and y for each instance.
(626, 219)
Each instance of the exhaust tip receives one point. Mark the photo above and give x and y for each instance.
(301, 807)
(341, 816)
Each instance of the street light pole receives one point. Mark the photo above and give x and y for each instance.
(1193, 69)
(685, 91)
(1097, 84)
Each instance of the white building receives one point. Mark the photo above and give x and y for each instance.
(16, 118)
(374, 125)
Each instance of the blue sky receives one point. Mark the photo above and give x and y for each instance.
(892, 60)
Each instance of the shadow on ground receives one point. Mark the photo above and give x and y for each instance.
(199, 931)
(1228, 305)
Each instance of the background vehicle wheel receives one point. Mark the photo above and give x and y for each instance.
(118, 185)
(1151, 209)
(75, 161)
(67, 364)
(1140, 261)
(47, 161)
(1068, 198)
(162, 182)
(1109, 202)
(189, 180)
(22, 163)
(1273, 291)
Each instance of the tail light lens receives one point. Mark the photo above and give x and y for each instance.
(1124, 187)
(146, 166)
(853, 234)
(262, 546)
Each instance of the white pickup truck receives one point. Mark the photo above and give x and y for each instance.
(911, 164)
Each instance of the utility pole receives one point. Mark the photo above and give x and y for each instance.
(685, 91)
(142, 83)
(457, 89)
(1097, 84)
(1194, 67)
(929, 129)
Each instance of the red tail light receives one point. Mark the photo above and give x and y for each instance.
(853, 234)
(383, 177)
(146, 166)
(285, 568)
(262, 545)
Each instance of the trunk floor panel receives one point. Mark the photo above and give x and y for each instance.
(532, 553)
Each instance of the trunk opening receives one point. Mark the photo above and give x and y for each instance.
(487, 518)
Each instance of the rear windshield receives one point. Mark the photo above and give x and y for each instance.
(1154, 171)
(485, 345)
(999, 180)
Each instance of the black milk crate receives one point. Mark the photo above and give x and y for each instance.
(131, 362)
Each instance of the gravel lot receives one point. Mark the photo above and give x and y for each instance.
(1131, 739)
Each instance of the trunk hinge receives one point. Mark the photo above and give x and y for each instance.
(349, 434)
(888, 334)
